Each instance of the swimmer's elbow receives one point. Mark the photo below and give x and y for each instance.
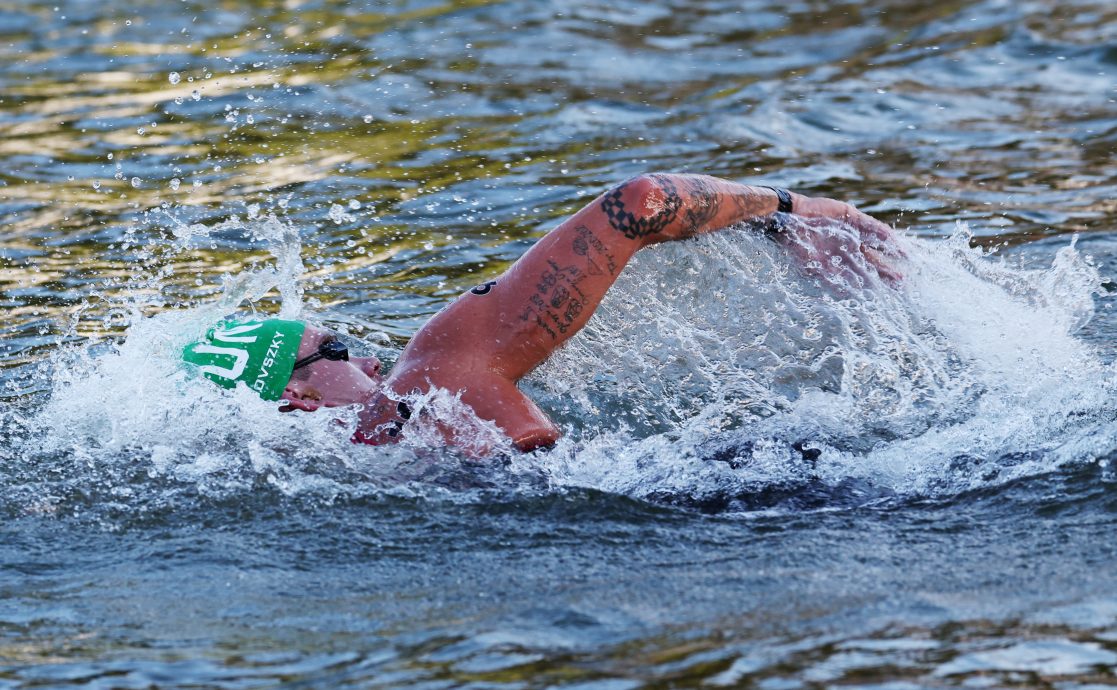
(645, 208)
(536, 439)
(643, 187)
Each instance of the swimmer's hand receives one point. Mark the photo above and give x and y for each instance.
(854, 245)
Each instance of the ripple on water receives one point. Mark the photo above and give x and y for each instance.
(905, 490)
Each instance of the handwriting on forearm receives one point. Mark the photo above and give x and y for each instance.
(584, 242)
(702, 203)
(558, 300)
(749, 204)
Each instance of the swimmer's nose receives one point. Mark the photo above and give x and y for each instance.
(370, 366)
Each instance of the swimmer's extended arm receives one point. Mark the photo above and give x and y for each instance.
(705, 204)
(505, 328)
(511, 325)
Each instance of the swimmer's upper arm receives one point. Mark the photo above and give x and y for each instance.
(549, 294)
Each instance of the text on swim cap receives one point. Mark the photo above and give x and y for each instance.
(269, 359)
(240, 357)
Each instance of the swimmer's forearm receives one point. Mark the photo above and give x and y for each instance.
(663, 207)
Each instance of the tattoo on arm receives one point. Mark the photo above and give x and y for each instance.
(635, 226)
(749, 205)
(483, 289)
(557, 300)
(704, 203)
(586, 242)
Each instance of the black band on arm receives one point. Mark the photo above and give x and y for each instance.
(775, 226)
(785, 199)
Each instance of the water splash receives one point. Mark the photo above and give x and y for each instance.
(715, 372)
(124, 413)
(744, 375)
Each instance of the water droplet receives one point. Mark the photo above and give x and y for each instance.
(140, 131)
(110, 156)
(136, 182)
(175, 182)
(178, 100)
(70, 178)
(354, 204)
(174, 77)
(196, 95)
(96, 184)
(338, 214)
(249, 119)
(368, 119)
(127, 22)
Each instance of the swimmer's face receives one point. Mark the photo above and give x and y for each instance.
(325, 383)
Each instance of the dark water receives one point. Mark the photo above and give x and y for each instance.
(361, 164)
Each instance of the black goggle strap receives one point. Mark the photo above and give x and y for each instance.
(332, 349)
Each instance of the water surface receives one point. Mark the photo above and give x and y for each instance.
(360, 164)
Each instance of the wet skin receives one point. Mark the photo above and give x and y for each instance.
(325, 383)
(489, 338)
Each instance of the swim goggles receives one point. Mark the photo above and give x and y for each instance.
(332, 349)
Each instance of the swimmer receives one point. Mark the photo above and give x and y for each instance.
(483, 343)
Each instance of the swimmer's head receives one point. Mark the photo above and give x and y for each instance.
(328, 379)
(305, 366)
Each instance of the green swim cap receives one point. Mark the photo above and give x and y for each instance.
(260, 353)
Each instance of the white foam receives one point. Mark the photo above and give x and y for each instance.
(721, 346)
(704, 364)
